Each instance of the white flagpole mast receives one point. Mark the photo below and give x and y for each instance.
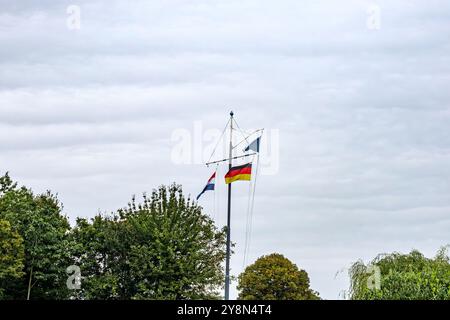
(230, 165)
(227, 263)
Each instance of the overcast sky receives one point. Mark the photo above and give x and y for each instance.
(354, 96)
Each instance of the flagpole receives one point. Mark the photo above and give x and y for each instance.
(227, 263)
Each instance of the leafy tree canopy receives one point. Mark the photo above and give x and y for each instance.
(402, 277)
(162, 248)
(274, 277)
(36, 219)
(11, 255)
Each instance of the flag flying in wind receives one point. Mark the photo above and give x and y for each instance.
(243, 172)
(254, 146)
(209, 185)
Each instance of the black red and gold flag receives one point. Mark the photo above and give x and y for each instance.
(243, 172)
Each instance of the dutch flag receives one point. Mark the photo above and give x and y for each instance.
(209, 185)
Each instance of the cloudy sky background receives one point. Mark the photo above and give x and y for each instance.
(362, 115)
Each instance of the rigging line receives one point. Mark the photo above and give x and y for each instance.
(217, 190)
(214, 199)
(217, 199)
(247, 216)
(248, 221)
(253, 202)
(218, 141)
(249, 136)
(242, 132)
(250, 215)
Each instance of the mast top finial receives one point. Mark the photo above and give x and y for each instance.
(231, 113)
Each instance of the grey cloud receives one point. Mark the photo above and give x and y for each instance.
(363, 115)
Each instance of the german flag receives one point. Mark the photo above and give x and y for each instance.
(243, 172)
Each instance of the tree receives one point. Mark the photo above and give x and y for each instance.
(39, 222)
(402, 277)
(162, 248)
(11, 255)
(274, 277)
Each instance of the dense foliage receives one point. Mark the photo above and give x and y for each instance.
(162, 248)
(274, 277)
(403, 277)
(36, 219)
(11, 255)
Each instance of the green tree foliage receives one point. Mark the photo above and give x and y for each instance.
(274, 277)
(11, 255)
(39, 222)
(402, 277)
(162, 248)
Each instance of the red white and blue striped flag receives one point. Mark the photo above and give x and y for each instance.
(209, 185)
